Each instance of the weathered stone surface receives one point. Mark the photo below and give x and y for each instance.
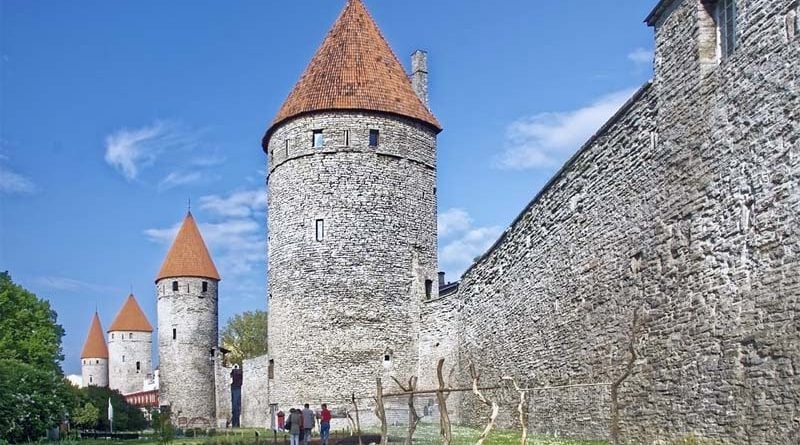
(126, 350)
(187, 362)
(255, 393)
(684, 209)
(340, 305)
(94, 372)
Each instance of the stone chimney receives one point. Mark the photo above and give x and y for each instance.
(441, 279)
(419, 75)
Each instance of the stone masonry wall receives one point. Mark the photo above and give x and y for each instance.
(94, 372)
(223, 393)
(684, 210)
(255, 393)
(340, 306)
(187, 362)
(125, 350)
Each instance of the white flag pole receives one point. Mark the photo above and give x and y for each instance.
(110, 415)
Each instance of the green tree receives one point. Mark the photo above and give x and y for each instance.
(245, 335)
(126, 417)
(32, 401)
(34, 396)
(86, 416)
(28, 329)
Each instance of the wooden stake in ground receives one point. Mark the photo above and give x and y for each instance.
(625, 374)
(444, 418)
(358, 423)
(522, 409)
(380, 412)
(495, 408)
(413, 417)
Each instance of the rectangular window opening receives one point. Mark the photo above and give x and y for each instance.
(174, 333)
(130, 335)
(205, 286)
(317, 140)
(428, 289)
(175, 286)
(123, 359)
(320, 226)
(346, 135)
(725, 17)
(373, 138)
(138, 366)
(271, 370)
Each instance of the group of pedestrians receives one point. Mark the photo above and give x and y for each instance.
(301, 422)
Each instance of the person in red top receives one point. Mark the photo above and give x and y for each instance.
(324, 424)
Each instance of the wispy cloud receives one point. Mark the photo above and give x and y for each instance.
(547, 139)
(641, 56)
(179, 178)
(131, 151)
(235, 233)
(238, 204)
(460, 242)
(14, 183)
(74, 285)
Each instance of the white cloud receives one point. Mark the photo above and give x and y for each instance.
(75, 380)
(130, 151)
(453, 220)
(12, 183)
(178, 178)
(547, 139)
(238, 204)
(641, 56)
(460, 242)
(73, 285)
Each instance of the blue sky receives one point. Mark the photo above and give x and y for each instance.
(114, 114)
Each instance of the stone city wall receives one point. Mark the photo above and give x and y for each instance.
(255, 393)
(683, 211)
(125, 350)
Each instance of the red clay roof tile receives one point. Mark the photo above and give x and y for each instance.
(131, 318)
(354, 69)
(188, 256)
(95, 345)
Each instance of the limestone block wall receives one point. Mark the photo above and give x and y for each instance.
(129, 360)
(439, 339)
(684, 210)
(188, 333)
(222, 383)
(255, 393)
(94, 372)
(346, 309)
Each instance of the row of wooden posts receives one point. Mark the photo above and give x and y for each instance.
(442, 393)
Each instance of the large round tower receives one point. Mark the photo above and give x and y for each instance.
(94, 357)
(188, 327)
(130, 348)
(352, 219)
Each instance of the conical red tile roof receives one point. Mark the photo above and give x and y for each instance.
(188, 256)
(95, 345)
(354, 69)
(131, 318)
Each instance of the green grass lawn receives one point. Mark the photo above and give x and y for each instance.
(426, 434)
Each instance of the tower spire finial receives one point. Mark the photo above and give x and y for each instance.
(189, 205)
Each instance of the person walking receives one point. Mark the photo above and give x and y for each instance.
(324, 424)
(294, 426)
(308, 423)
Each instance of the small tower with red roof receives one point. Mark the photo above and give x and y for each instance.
(130, 347)
(94, 357)
(188, 327)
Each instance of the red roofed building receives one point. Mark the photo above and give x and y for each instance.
(130, 346)
(94, 356)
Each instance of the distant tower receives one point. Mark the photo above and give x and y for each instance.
(352, 218)
(188, 326)
(94, 357)
(130, 347)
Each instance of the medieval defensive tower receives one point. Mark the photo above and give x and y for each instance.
(130, 347)
(188, 326)
(352, 218)
(94, 357)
